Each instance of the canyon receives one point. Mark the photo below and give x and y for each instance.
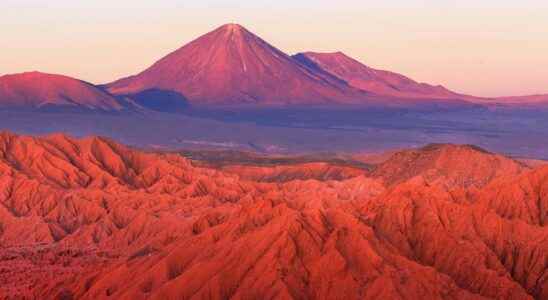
(90, 218)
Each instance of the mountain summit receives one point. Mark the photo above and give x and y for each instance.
(231, 65)
(380, 82)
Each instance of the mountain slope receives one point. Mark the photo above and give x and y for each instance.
(379, 82)
(449, 165)
(540, 100)
(35, 90)
(231, 65)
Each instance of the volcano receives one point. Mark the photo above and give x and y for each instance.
(231, 65)
(379, 82)
(41, 91)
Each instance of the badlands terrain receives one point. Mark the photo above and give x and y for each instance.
(256, 174)
(93, 219)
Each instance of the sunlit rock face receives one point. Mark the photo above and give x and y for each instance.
(91, 219)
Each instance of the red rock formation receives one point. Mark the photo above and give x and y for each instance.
(92, 219)
(531, 192)
(231, 65)
(36, 90)
(285, 173)
(533, 163)
(450, 165)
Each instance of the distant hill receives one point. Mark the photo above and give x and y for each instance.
(41, 91)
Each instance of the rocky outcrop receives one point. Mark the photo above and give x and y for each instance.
(449, 165)
(92, 219)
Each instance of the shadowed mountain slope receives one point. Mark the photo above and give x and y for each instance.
(319, 171)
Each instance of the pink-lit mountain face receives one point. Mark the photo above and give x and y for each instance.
(532, 99)
(35, 90)
(231, 65)
(379, 82)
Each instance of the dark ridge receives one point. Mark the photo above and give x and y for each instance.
(161, 100)
(437, 146)
(214, 158)
(310, 64)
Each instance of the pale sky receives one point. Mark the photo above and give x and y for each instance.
(492, 48)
